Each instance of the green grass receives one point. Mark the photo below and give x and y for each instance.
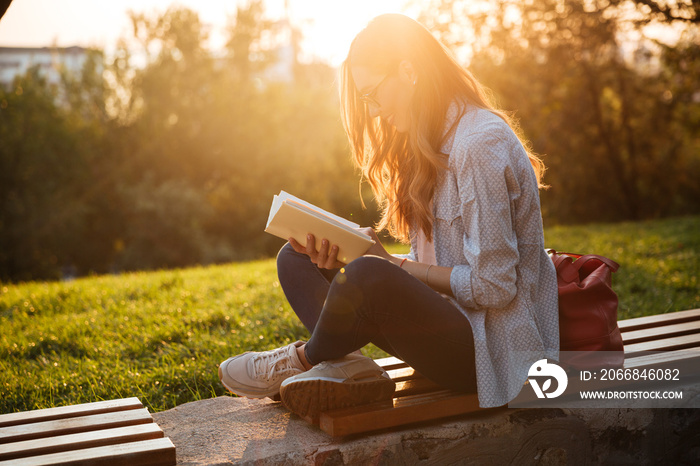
(160, 335)
(659, 261)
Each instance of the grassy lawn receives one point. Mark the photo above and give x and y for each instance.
(160, 335)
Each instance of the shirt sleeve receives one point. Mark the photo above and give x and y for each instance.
(487, 189)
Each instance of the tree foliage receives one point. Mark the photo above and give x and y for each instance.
(614, 113)
(168, 155)
(46, 157)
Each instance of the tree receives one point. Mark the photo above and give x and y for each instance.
(172, 162)
(247, 54)
(224, 136)
(592, 94)
(44, 158)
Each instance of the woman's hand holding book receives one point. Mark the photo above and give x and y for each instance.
(325, 258)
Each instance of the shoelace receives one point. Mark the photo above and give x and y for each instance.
(271, 364)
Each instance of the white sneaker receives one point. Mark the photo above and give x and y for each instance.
(259, 374)
(341, 383)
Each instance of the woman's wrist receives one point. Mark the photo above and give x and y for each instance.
(418, 269)
(437, 278)
(396, 260)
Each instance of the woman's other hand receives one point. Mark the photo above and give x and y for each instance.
(376, 249)
(325, 258)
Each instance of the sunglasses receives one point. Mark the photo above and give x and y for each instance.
(370, 97)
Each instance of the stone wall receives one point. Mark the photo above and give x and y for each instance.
(228, 430)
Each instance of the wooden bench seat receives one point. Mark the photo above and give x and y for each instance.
(106, 432)
(653, 340)
(416, 399)
(661, 338)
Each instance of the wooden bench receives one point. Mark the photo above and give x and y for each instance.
(106, 432)
(674, 337)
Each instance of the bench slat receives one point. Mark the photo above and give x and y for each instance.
(70, 442)
(390, 363)
(657, 333)
(74, 425)
(638, 323)
(666, 358)
(664, 344)
(148, 452)
(406, 410)
(415, 386)
(408, 381)
(404, 373)
(64, 412)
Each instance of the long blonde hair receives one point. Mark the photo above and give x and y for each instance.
(402, 168)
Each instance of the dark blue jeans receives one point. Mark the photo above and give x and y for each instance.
(373, 300)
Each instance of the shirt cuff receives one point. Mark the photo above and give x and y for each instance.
(461, 285)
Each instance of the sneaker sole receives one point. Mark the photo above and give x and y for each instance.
(309, 398)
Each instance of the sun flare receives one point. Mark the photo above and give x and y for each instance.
(327, 27)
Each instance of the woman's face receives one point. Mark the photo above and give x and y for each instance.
(387, 96)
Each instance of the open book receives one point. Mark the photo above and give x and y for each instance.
(290, 217)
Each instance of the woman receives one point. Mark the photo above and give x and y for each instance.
(474, 304)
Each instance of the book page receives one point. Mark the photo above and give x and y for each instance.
(286, 196)
(276, 203)
(325, 218)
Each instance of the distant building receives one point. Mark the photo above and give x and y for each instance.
(51, 61)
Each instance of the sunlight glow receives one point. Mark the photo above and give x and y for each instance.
(328, 26)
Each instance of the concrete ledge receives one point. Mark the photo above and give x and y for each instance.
(228, 430)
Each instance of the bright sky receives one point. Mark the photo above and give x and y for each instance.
(328, 25)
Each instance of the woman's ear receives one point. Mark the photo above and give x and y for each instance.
(407, 73)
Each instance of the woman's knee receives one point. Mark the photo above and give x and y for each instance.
(288, 264)
(368, 271)
(286, 256)
(365, 264)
